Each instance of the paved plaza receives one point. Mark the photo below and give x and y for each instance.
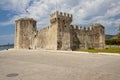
(58, 65)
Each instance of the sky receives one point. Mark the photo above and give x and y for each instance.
(85, 12)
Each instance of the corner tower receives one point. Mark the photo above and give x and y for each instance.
(98, 35)
(61, 21)
(24, 33)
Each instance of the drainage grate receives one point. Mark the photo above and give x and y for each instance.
(12, 75)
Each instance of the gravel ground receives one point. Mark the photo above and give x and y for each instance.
(58, 65)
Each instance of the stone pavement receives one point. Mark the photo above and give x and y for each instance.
(57, 65)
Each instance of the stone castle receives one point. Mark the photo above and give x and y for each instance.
(60, 35)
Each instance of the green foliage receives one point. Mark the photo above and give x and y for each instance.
(119, 31)
(113, 42)
(107, 50)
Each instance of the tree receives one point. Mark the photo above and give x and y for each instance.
(119, 31)
(113, 42)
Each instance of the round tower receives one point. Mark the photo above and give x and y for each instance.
(24, 33)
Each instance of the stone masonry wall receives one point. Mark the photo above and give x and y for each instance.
(46, 38)
(86, 38)
(40, 41)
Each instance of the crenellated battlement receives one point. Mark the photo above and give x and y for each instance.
(60, 16)
(55, 14)
(75, 27)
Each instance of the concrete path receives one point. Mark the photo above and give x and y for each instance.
(55, 65)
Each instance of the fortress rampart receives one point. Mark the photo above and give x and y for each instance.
(60, 35)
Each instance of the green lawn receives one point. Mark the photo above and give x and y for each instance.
(107, 50)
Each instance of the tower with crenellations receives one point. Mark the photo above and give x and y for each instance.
(62, 22)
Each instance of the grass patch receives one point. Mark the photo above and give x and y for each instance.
(107, 50)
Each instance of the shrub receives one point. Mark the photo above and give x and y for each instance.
(113, 42)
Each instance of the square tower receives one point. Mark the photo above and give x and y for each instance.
(61, 22)
(98, 35)
(24, 33)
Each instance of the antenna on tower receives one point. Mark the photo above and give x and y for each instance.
(26, 10)
(56, 5)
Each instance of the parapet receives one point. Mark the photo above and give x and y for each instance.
(90, 28)
(60, 14)
(26, 19)
(96, 25)
(75, 27)
(78, 27)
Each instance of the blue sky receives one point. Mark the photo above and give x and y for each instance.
(85, 12)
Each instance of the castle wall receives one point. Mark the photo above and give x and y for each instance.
(53, 37)
(40, 40)
(86, 38)
(46, 38)
(60, 35)
(79, 37)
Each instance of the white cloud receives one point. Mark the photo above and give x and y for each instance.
(84, 11)
(15, 5)
(12, 20)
